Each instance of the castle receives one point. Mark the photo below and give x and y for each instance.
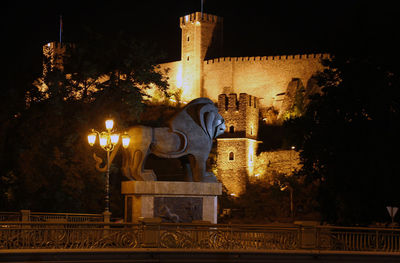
(201, 73)
(262, 82)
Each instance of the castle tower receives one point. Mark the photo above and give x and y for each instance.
(236, 149)
(201, 38)
(53, 52)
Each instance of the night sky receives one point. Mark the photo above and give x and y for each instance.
(250, 27)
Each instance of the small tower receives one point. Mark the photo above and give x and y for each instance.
(201, 38)
(236, 149)
(53, 53)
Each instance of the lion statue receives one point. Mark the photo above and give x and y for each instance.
(189, 134)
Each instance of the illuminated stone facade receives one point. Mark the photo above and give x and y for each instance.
(271, 163)
(271, 80)
(201, 73)
(52, 52)
(237, 148)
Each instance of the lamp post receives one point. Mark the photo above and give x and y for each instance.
(288, 187)
(108, 140)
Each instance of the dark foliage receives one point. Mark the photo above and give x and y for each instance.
(349, 138)
(47, 163)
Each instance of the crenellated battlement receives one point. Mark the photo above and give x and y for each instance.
(55, 46)
(265, 58)
(199, 17)
(231, 102)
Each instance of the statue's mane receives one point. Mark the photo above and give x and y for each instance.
(199, 101)
(192, 109)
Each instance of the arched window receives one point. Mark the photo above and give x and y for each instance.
(231, 129)
(231, 156)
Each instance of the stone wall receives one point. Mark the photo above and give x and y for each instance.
(235, 162)
(173, 71)
(264, 77)
(201, 36)
(234, 174)
(240, 115)
(275, 162)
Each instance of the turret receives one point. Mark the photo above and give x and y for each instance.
(241, 115)
(237, 147)
(201, 39)
(53, 52)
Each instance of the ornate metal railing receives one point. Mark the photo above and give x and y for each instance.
(17, 235)
(358, 239)
(10, 216)
(24, 235)
(72, 235)
(26, 215)
(65, 217)
(228, 237)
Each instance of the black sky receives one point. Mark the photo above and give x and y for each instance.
(250, 27)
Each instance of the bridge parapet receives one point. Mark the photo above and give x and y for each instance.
(199, 236)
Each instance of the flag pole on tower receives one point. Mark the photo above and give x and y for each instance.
(201, 8)
(61, 29)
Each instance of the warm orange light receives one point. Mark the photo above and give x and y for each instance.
(125, 140)
(179, 81)
(114, 138)
(92, 138)
(109, 124)
(103, 139)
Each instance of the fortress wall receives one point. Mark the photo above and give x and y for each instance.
(240, 113)
(233, 173)
(263, 77)
(276, 162)
(174, 74)
(217, 77)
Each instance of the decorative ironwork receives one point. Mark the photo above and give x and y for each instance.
(358, 239)
(45, 236)
(69, 235)
(10, 216)
(231, 237)
(51, 217)
(65, 217)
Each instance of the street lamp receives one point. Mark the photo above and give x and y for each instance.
(108, 140)
(288, 187)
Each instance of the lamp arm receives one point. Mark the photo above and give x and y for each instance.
(99, 160)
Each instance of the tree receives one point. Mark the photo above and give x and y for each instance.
(50, 166)
(348, 138)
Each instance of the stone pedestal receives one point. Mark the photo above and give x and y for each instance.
(182, 202)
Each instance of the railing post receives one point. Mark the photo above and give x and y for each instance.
(25, 215)
(308, 230)
(106, 219)
(151, 232)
